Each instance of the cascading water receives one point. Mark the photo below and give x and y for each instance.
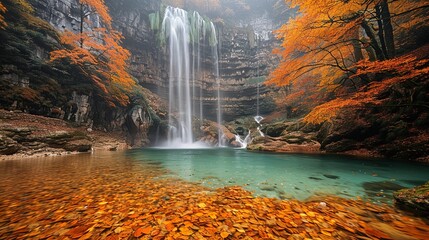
(220, 132)
(176, 26)
(243, 142)
(182, 32)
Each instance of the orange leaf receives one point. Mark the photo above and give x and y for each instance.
(224, 234)
(138, 232)
(169, 226)
(147, 230)
(186, 231)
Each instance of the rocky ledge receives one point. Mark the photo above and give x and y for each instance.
(26, 135)
(286, 137)
(415, 200)
(293, 145)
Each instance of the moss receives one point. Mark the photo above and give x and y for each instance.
(415, 199)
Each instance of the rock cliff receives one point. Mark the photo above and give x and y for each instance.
(245, 60)
(31, 84)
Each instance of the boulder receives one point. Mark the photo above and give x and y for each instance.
(415, 200)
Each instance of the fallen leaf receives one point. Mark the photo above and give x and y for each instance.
(202, 205)
(138, 232)
(186, 231)
(147, 230)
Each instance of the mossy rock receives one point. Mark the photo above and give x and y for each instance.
(275, 129)
(415, 200)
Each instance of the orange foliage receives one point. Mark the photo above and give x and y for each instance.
(99, 50)
(99, 7)
(2, 21)
(400, 69)
(330, 41)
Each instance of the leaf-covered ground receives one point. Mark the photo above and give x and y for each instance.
(103, 197)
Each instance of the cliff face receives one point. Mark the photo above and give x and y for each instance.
(30, 83)
(245, 62)
(245, 59)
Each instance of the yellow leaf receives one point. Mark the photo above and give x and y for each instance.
(186, 231)
(201, 205)
(212, 215)
(224, 234)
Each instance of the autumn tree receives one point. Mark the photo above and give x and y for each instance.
(335, 41)
(96, 48)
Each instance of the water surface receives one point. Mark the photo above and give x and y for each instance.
(289, 175)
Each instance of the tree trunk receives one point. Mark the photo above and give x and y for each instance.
(388, 29)
(82, 16)
(373, 41)
(381, 30)
(357, 47)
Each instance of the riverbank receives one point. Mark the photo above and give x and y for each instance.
(25, 135)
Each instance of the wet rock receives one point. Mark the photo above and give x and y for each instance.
(275, 129)
(78, 146)
(8, 146)
(331, 176)
(381, 186)
(284, 196)
(268, 188)
(415, 200)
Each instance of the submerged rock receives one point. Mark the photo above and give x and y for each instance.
(331, 176)
(381, 186)
(415, 199)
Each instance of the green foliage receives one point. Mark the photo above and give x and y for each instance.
(138, 99)
(154, 21)
(200, 27)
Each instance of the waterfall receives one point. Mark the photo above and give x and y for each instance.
(175, 25)
(182, 33)
(257, 99)
(243, 142)
(215, 53)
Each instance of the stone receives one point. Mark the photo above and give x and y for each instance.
(8, 146)
(331, 176)
(381, 186)
(415, 200)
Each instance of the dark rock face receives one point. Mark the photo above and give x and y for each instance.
(415, 200)
(29, 83)
(16, 139)
(245, 62)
